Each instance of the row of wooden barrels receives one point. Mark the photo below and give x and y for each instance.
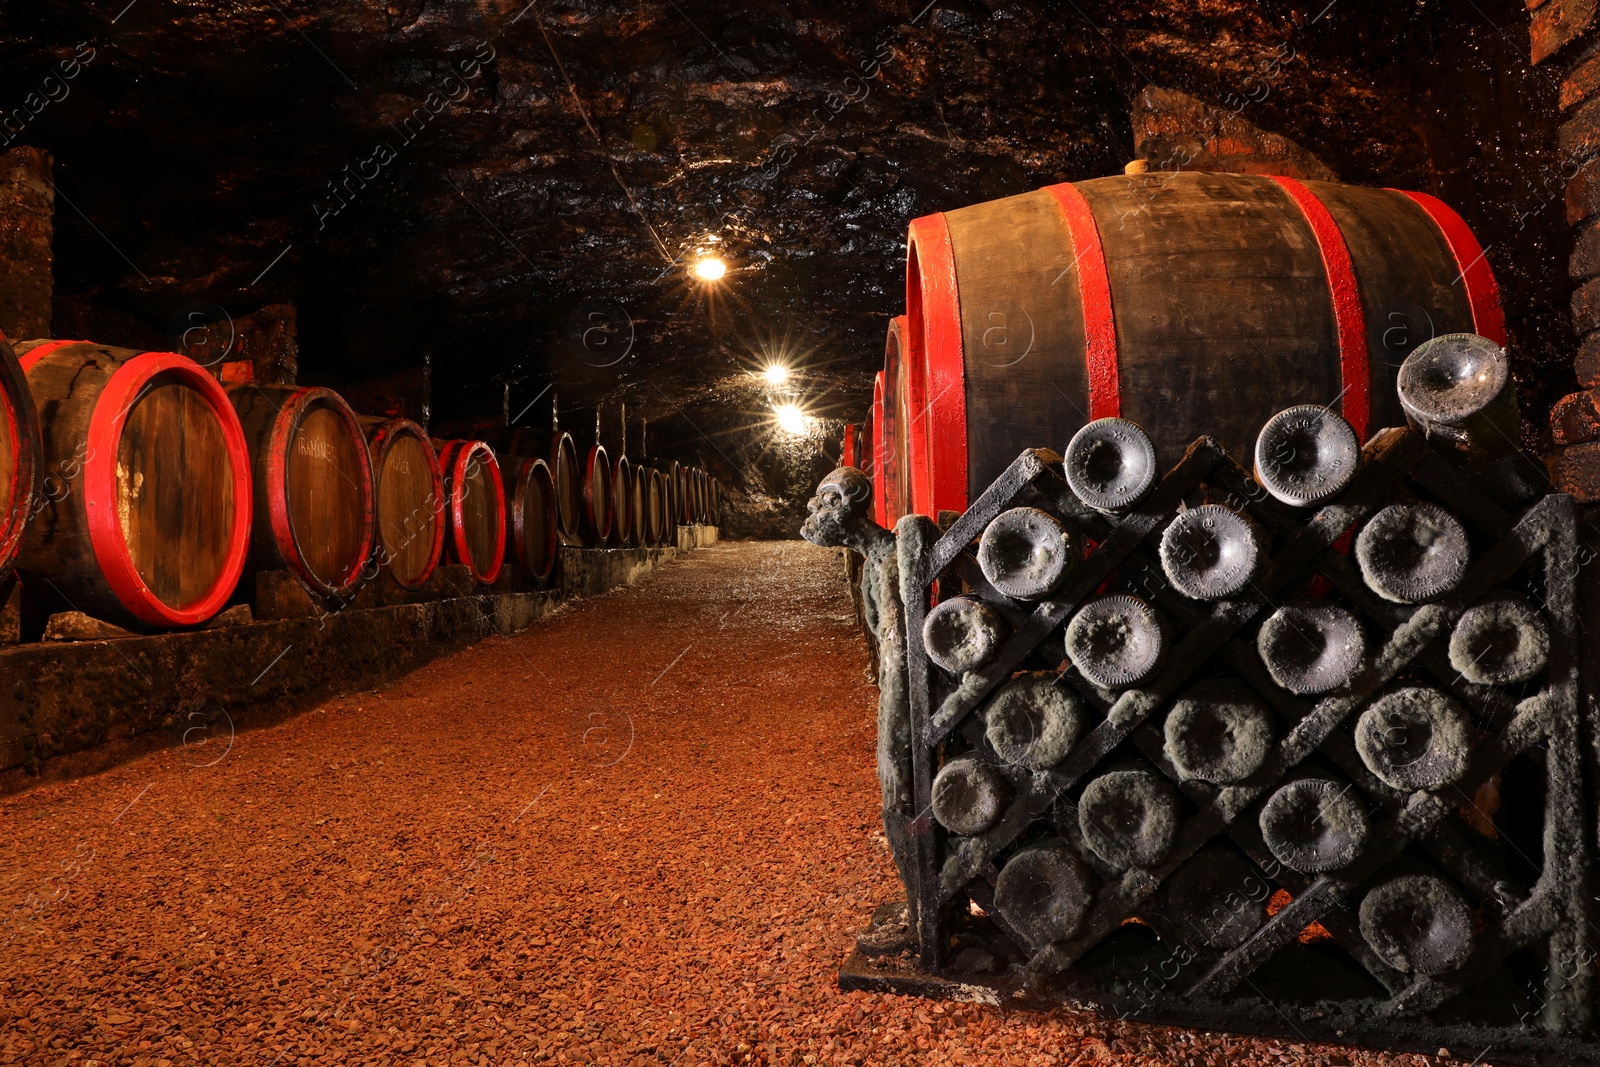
(141, 490)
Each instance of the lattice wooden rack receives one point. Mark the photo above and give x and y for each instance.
(1524, 990)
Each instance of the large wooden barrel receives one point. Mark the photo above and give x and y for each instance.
(19, 458)
(475, 500)
(638, 486)
(655, 508)
(531, 515)
(147, 523)
(716, 502)
(411, 519)
(700, 505)
(557, 449)
(621, 503)
(1190, 303)
(672, 487)
(882, 480)
(597, 496)
(313, 485)
(892, 487)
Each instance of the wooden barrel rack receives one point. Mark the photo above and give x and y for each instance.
(313, 485)
(151, 526)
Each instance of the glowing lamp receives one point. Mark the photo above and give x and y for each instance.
(709, 269)
(790, 419)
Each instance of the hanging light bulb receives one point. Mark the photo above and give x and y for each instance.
(776, 374)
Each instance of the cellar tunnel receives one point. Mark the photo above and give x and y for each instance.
(435, 627)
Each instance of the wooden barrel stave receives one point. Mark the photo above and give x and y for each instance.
(410, 515)
(1191, 303)
(149, 525)
(656, 508)
(637, 505)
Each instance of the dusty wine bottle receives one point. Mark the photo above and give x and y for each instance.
(1415, 738)
(1116, 641)
(969, 795)
(1314, 825)
(1417, 923)
(1502, 641)
(1027, 553)
(962, 634)
(1311, 646)
(1218, 732)
(1043, 892)
(1034, 720)
(1210, 552)
(1306, 455)
(1218, 898)
(1110, 464)
(1129, 818)
(1457, 390)
(1412, 552)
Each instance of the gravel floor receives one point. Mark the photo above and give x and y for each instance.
(642, 832)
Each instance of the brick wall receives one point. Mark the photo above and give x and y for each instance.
(1566, 41)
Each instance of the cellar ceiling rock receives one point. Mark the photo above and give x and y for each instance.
(206, 153)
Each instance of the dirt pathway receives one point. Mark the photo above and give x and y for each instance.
(641, 832)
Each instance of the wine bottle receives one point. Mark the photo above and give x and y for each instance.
(1044, 892)
(1418, 924)
(1457, 390)
(1218, 732)
(1218, 898)
(1129, 818)
(1116, 641)
(1502, 641)
(1314, 825)
(1034, 720)
(1210, 552)
(1306, 455)
(962, 634)
(1412, 552)
(1027, 553)
(1311, 646)
(969, 795)
(1415, 738)
(1111, 464)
